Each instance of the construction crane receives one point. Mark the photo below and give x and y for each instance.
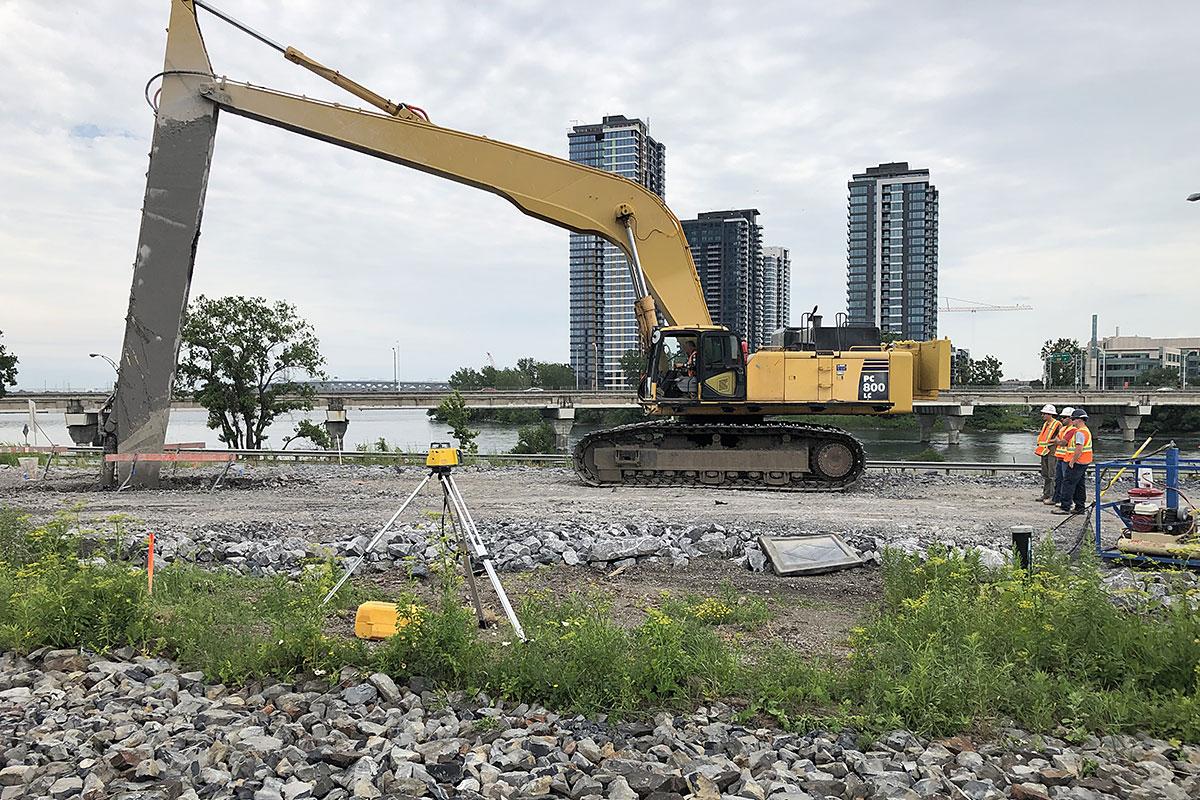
(715, 407)
(975, 305)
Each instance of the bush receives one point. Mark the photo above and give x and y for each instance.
(231, 627)
(577, 658)
(958, 644)
(535, 439)
(729, 608)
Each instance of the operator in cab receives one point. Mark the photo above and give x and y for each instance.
(677, 367)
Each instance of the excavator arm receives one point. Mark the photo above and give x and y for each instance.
(189, 99)
(554, 190)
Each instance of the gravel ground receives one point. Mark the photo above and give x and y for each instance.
(327, 504)
(80, 726)
(548, 531)
(124, 726)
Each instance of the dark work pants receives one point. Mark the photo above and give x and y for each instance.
(1058, 481)
(1073, 487)
(1049, 470)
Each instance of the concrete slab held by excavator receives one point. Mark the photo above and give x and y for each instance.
(809, 555)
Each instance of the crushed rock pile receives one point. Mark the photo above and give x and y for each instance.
(75, 725)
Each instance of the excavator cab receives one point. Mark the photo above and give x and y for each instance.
(690, 366)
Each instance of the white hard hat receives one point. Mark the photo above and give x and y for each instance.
(1049, 409)
(1067, 411)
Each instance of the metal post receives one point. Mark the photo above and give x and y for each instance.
(1172, 477)
(1096, 501)
(1022, 539)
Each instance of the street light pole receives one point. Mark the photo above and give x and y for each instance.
(396, 367)
(111, 363)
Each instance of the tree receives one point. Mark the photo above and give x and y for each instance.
(960, 368)
(454, 410)
(967, 371)
(1159, 376)
(306, 429)
(8, 368)
(466, 379)
(237, 357)
(987, 372)
(535, 439)
(528, 373)
(1062, 373)
(555, 376)
(633, 365)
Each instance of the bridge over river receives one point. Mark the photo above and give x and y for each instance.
(1127, 408)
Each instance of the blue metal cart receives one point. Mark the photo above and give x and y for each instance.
(1172, 466)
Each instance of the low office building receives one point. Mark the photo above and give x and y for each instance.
(1121, 360)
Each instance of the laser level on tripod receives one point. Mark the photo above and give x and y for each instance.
(441, 459)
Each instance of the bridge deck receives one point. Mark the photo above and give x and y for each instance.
(57, 401)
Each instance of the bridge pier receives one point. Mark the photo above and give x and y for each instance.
(1129, 421)
(562, 419)
(954, 417)
(1128, 416)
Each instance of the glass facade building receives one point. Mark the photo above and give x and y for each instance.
(891, 250)
(603, 327)
(746, 289)
(777, 289)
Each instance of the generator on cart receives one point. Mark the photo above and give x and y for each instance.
(1155, 527)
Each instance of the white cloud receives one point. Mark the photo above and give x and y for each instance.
(1061, 137)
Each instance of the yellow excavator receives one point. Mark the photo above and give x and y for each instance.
(715, 408)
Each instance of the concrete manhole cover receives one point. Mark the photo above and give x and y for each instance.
(808, 555)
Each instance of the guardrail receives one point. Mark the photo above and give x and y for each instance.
(554, 459)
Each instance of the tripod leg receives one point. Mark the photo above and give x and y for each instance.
(468, 523)
(375, 541)
(465, 550)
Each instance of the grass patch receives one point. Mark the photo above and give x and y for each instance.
(928, 454)
(231, 627)
(728, 607)
(954, 645)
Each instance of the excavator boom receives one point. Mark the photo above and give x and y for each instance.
(569, 195)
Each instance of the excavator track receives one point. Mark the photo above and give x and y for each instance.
(783, 456)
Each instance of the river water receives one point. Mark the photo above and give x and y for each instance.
(413, 430)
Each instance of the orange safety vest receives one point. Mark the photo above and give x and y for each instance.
(1085, 455)
(1063, 446)
(1046, 436)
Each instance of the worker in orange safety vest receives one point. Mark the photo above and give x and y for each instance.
(1045, 450)
(1059, 449)
(1075, 466)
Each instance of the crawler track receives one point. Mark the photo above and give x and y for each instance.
(783, 456)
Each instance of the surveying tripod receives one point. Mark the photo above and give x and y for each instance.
(441, 459)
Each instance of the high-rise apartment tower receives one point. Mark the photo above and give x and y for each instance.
(892, 233)
(777, 288)
(603, 327)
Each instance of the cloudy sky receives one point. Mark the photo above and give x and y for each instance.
(1063, 138)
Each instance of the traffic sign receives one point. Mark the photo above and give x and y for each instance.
(1061, 358)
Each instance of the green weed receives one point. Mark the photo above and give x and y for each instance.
(955, 644)
(729, 607)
